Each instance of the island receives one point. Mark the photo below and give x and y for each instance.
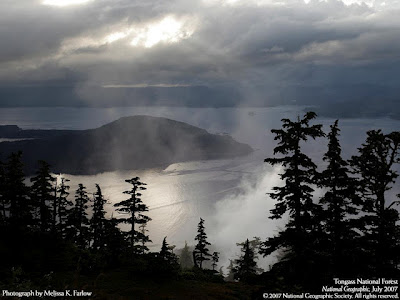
(137, 142)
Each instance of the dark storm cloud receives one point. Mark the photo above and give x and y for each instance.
(275, 50)
(29, 29)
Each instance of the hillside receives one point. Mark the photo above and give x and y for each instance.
(136, 142)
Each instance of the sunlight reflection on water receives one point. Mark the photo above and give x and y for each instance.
(176, 196)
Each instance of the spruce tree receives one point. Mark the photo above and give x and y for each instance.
(295, 197)
(42, 192)
(165, 252)
(167, 263)
(64, 206)
(339, 202)
(246, 266)
(255, 246)
(201, 251)
(134, 209)
(79, 217)
(16, 193)
(375, 166)
(98, 220)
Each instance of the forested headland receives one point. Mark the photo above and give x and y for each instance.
(129, 143)
(341, 224)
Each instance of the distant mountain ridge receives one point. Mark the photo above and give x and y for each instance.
(136, 142)
(15, 132)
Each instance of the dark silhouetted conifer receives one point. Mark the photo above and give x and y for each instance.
(16, 193)
(165, 252)
(375, 166)
(167, 265)
(339, 202)
(79, 218)
(295, 196)
(255, 245)
(133, 208)
(201, 252)
(246, 265)
(42, 193)
(64, 206)
(98, 220)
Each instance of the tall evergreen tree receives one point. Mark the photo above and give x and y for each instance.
(16, 193)
(98, 220)
(246, 265)
(201, 251)
(295, 197)
(339, 201)
(134, 209)
(42, 192)
(64, 206)
(79, 217)
(375, 165)
(166, 253)
(167, 263)
(255, 245)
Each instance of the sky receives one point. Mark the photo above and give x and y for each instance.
(116, 52)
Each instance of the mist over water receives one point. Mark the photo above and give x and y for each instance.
(229, 194)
